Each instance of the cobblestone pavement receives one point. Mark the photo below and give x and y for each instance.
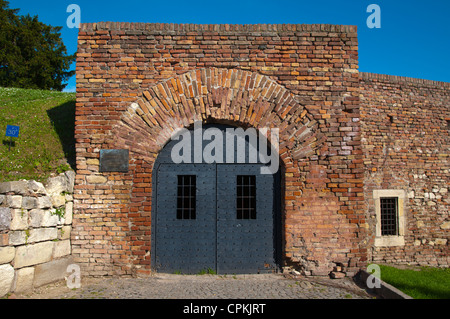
(171, 286)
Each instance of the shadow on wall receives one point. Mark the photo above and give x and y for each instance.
(63, 120)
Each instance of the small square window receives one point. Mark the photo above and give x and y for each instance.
(389, 216)
(186, 197)
(246, 197)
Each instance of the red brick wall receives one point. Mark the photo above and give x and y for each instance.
(405, 134)
(137, 82)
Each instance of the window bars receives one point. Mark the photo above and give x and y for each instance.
(186, 197)
(246, 197)
(389, 216)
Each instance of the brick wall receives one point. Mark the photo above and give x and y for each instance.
(405, 134)
(137, 82)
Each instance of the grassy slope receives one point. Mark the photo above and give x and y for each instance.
(46, 143)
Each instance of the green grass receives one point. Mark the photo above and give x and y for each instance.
(46, 142)
(422, 283)
(208, 271)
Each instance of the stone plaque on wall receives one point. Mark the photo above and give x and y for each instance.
(114, 160)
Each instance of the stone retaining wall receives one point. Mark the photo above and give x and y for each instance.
(35, 227)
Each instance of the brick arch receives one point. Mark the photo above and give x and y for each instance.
(211, 95)
(236, 97)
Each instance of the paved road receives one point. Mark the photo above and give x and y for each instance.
(171, 286)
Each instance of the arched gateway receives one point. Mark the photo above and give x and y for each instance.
(139, 84)
(197, 223)
(220, 214)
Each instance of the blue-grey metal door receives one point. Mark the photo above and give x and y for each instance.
(245, 219)
(219, 217)
(185, 242)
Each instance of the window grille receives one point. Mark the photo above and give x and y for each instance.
(246, 197)
(389, 213)
(186, 197)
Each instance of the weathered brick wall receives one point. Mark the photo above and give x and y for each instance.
(137, 82)
(405, 134)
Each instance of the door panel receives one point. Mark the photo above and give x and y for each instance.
(187, 245)
(216, 238)
(244, 245)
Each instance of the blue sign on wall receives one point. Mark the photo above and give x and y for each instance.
(12, 131)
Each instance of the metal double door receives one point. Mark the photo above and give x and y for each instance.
(217, 236)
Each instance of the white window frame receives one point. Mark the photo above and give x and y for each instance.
(390, 240)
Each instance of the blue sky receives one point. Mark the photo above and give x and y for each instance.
(414, 38)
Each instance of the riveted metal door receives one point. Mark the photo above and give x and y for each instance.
(213, 216)
(185, 244)
(245, 219)
(216, 238)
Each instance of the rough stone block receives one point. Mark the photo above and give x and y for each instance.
(36, 216)
(17, 238)
(69, 213)
(42, 234)
(7, 254)
(33, 254)
(319, 271)
(62, 248)
(18, 187)
(53, 217)
(44, 202)
(5, 218)
(93, 161)
(64, 232)
(29, 202)
(70, 180)
(337, 275)
(58, 200)
(6, 279)
(56, 185)
(4, 240)
(52, 271)
(19, 219)
(444, 225)
(49, 219)
(36, 187)
(14, 201)
(95, 179)
(24, 279)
